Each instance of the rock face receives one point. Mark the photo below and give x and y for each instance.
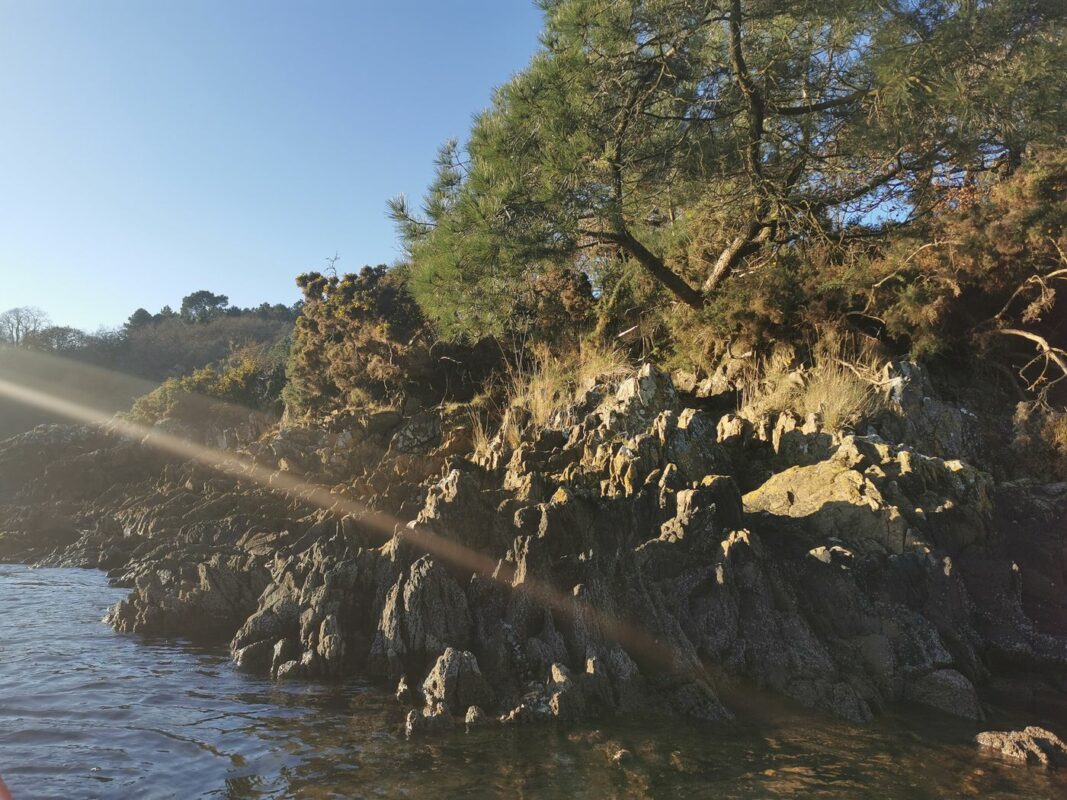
(208, 599)
(641, 553)
(1032, 745)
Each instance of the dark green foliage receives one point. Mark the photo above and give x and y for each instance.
(153, 347)
(1040, 441)
(138, 319)
(203, 305)
(707, 141)
(173, 347)
(362, 340)
(166, 344)
(59, 339)
(989, 264)
(990, 258)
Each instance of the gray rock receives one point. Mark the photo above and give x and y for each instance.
(456, 682)
(1032, 745)
(418, 435)
(475, 718)
(425, 612)
(431, 719)
(946, 690)
(405, 695)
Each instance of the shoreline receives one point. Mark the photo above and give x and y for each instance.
(638, 558)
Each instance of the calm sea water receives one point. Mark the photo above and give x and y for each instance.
(86, 712)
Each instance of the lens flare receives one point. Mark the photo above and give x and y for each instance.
(635, 640)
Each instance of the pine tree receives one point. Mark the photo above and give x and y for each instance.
(693, 137)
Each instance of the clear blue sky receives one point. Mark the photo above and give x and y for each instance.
(149, 148)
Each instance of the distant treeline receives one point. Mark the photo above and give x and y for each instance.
(149, 347)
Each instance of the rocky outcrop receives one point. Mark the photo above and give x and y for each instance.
(878, 497)
(207, 599)
(643, 552)
(1032, 745)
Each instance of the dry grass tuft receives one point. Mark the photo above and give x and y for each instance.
(480, 431)
(552, 382)
(839, 385)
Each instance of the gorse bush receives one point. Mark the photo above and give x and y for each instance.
(1040, 441)
(250, 380)
(362, 340)
(988, 262)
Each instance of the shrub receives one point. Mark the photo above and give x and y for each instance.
(1040, 441)
(981, 266)
(362, 340)
(251, 379)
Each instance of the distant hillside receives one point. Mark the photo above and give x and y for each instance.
(109, 369)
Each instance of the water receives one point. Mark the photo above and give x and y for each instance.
(86, 712)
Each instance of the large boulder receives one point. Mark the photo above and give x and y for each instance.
(946, 690)
(875, 497)
(831, 500)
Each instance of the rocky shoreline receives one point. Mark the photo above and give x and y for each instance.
(647, 551)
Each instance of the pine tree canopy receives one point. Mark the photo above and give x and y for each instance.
(698, 138)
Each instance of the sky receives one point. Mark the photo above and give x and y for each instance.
(151, 148)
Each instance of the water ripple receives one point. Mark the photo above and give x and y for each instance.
(86, 712)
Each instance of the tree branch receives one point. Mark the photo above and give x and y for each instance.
(654, 265)
(825, 105)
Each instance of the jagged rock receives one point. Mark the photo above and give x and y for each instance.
(733, 430)
(595, 563)
(425, 612)
(534, 707)
(832, 499)
(286, 652)
(418, 435)
(405, 695)
(689, 441)
(456, 682)
(684, 380)
(1032, 745)
(870, 495)
(639, 400)
(799, 442)
(290, 670)
(567, 699)
(212, 598)
(383, 421)
(917, 416)
(455, 508)
(254, 657)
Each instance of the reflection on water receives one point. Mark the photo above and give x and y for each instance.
(85, 712)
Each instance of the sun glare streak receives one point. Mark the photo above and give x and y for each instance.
(632, 638)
